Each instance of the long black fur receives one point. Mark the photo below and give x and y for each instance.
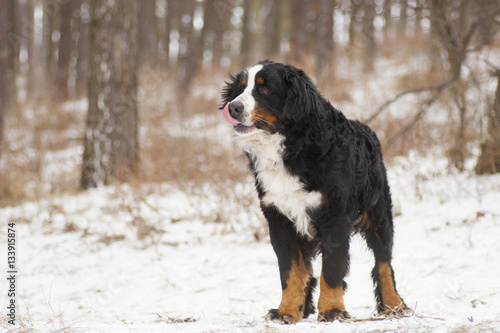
(329, 153)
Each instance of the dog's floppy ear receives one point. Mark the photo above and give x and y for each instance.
(303, 101)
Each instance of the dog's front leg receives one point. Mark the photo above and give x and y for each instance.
(296, 280)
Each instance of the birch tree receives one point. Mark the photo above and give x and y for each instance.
(3, 64)
(111, 144)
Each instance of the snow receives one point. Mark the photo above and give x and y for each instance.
(117, 259)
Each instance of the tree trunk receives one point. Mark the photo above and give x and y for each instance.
(272, 34)
(28, 30)
(187, 63)
(418, 17)
(7, 59)
(217, 18)
(14, 36)
(66, 46)
(208, 32)
(448, 33)
(354, 6)
(49, 11)
(369, 34)
(324, 45)
(2, 87)
(403, 19)
(458, 150)
(148, 33)
(171, 23)
(222, 12)
(111, 145)
(488, 25)
(246, 42)
(489, 161)
(302, 29)
(4, 56)
(82, 47)
(463, 19)
(386, 12)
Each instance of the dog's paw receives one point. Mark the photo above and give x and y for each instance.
(281, 318)
(398, 311)
(333, 314)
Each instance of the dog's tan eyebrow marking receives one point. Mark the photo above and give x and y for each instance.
(260, 80)
(243, 81)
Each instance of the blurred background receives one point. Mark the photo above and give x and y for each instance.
(100, 92)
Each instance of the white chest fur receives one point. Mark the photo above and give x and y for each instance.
(282, 189)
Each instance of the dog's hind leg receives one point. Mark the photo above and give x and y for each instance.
(378, 231)
(334, 236)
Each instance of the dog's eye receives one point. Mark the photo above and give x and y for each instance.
(264, 90)
(242, 86)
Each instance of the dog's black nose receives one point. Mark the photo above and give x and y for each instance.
(236, 109)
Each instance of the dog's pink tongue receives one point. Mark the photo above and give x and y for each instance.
(227, 116)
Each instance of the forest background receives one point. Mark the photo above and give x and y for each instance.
(142, 67)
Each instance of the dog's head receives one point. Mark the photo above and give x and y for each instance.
(269, 97)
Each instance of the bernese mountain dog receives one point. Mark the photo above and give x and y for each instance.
(320, 177)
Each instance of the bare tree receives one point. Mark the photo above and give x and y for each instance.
(386, 12)
(273, 28)
(171, 24)
(188, 61)
(403, 18)
(369, 34)
(50, 11)
(454, 39)
(27, 11)
(66, 46)
(82, 47)
(14, 36)
(324, 45)
(447, 32)
(4, 56)
(111, 144)
(210, 21)
(354, 9)
(418, 17)
(488, 24)
(299, 41)
(489, 160)
(148, 33)
(222, 20)
(246, 42)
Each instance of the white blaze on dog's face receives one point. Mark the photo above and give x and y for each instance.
(246, 97)
(255, 100)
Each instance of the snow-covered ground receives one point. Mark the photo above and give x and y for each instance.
(117, 259)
